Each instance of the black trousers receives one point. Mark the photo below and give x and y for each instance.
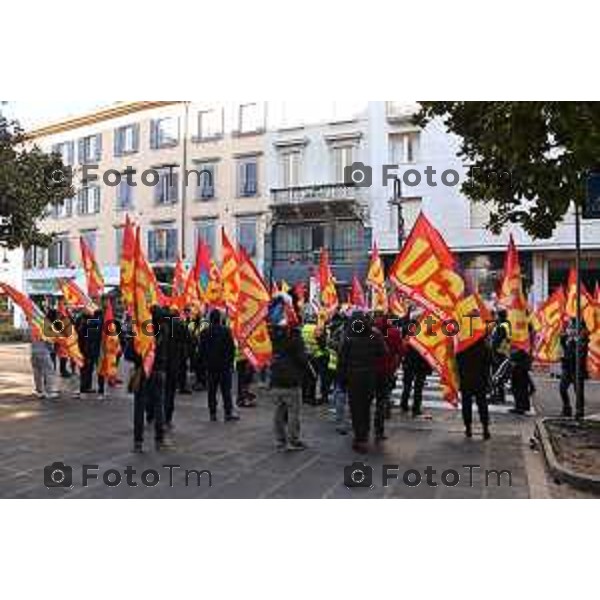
(360, 394)
(86, 375)
(309, 381)
(170, 391)
(220, 380)
(482, 405)
(64, 361)
(245, 375)
(382, 396)
(412, 378)
(521, 389)
(566, 381)
(150, 398)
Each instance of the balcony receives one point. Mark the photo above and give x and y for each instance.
(399, 112)
(310, 194)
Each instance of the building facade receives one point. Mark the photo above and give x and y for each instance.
(274, 176)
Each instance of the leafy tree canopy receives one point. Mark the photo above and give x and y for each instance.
(26, 187)
(544, 149)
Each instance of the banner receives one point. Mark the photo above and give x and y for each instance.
(126, 264)
(425, 271)
(511, 297)
(397, 305)
(376, 281)
(329, 299)
(93, 275)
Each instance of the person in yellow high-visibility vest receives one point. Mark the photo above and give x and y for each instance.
(318, 356)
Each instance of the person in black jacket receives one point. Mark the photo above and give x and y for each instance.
(521, 381)
(568, 343)
(415, 370)
(473, 370)
(360, 351)
(289, 366)
(89, 334)
(218, 352)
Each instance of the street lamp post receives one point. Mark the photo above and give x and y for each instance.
(579, 398)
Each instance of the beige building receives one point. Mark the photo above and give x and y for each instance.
(185, 168)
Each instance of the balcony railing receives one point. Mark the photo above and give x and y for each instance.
(316, 193)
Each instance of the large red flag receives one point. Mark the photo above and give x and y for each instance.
(33, 313)
(93, 275)
(253, 304)
(425, 270)
(75, 297)
(230, 276)
(127, 264)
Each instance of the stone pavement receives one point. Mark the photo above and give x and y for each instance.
(241, 456)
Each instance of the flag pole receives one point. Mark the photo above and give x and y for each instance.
(579, 399)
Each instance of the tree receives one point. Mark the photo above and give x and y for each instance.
(29, 184)
(529, 160)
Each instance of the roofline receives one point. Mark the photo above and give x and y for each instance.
(103, 114)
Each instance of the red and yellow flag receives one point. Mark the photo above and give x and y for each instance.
(589, 312)
(253, 303)
(474, 319)
(397, 305)
(110, 347)
(143, 299)
(437, 348)
(329, 298)
(75, 297)
(230, 276)
(425, 270)
(68, 344)
(376, 281)
(127, 264)
(93, 275)
(511, 297)
(33, 313)
(357, 296)
(548, 322)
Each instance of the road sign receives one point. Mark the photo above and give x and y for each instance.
(591, 207)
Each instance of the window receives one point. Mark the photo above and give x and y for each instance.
(90, 149)
(293, 243)
(404, 147)
(206, 231)
(35, 257)
(59, 253)
(342, 158)
(88, 200)
(251, 118)
(290, 169)
(164, 132)
(162, 244)
(246, 235)
(89, 237)
(127, 140)
(124, 195)
(167, 189)
(247, 177)
(63, 210)
(210, 124)
(205, 187)
(66, 151)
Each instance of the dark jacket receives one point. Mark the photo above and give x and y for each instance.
(474, 368)
(569, 354)
(217, 348)
(89, 336)
(289, 364)
(415, 363)
(361, 350)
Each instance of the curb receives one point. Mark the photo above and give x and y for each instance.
(560, 473)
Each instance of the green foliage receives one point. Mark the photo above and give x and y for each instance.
(548, 148)
(25, 187)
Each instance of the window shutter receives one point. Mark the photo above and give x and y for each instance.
(241, 178)
(98, 147)
(69, 207)
(251, 178)
(171, 244)
(71, 152)
(136, 137)
(174, 187)
(66, 252)
(118, 144)
(96, 199)
(159, 188)
(154, 134)
(81, 157)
